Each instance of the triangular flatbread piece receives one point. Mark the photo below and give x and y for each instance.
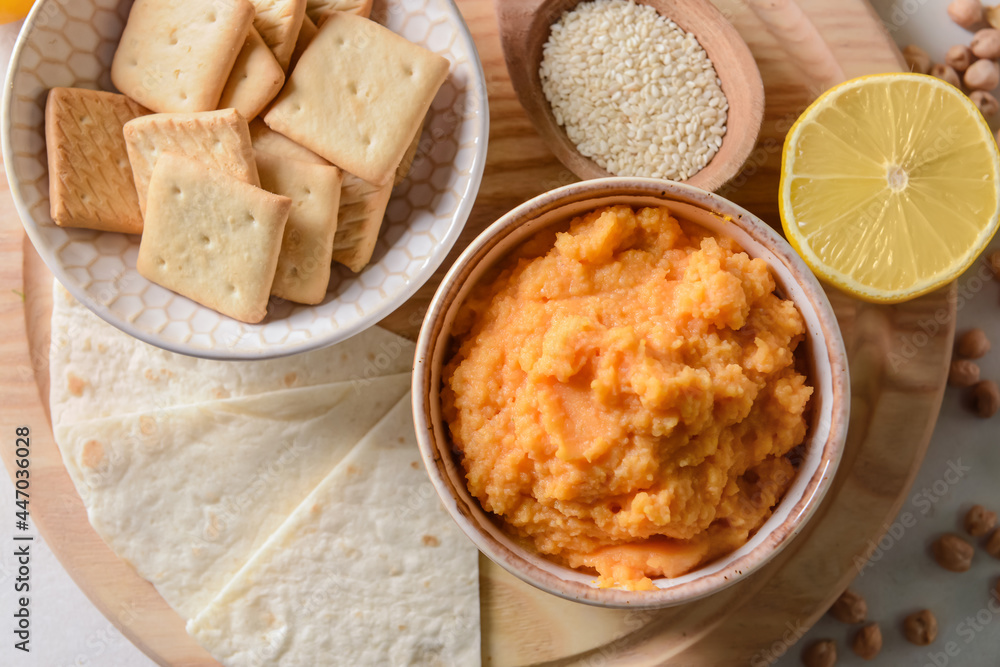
(187, 494)
(369, 570)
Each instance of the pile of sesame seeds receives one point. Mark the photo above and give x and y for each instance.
(635, 93)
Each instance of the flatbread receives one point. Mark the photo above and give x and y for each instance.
(218, 139)
(176, 55)
(211, 237)
(90, 181)
(279, 23)
(358, 96)
(97, 371)
(362, 207)
(255, 80)
(303, 272)
(187, 494)
(369, 569)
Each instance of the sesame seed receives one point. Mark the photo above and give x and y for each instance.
(636, 93)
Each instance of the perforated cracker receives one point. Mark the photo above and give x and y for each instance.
(358, 95)
(279, 22)
(303, 272)
(218, 139)
(306, 34)
(255, 80)
(266, 140)
(211, 237)
(176, 55)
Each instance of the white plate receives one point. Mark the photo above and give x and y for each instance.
(72, 42)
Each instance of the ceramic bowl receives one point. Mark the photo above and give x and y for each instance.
(526, 27)
(824, 354)
(72, 43)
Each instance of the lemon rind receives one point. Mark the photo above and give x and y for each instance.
(844, 281)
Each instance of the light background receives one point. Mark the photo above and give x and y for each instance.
(66, 629)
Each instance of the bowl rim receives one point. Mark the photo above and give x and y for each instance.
(460, 218)
(500, 550)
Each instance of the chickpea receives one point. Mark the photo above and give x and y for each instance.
(959, 57)
(973, 344)
(986, 398)
(993, 549)
(917, 59)
(920, 628)
(953, 553)
(850, 607)
(966, 13)
(979, 521)
(986, 43)
(985, 102)
(868, 642)
(963, 373)
(946, 73)
(982, 75)
(820, 654)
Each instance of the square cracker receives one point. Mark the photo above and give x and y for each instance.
(279, 23)
(219, 139)
(407, 162)
(266, 140)
(255, 80)
(318, 10)
(362, 207)
(176, 55)
(90, 180)
(211, 237)
(358, 95)
(306, 34)
(303, 273)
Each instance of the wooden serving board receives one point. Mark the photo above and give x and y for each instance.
(895, 398)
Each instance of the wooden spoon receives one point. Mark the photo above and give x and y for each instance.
(524, 29)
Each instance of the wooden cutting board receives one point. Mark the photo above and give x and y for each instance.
(895, 398)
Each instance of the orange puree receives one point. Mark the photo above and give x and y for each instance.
(624, 394)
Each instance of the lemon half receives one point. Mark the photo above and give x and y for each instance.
(890, 185)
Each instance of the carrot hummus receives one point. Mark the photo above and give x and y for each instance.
(625, 394)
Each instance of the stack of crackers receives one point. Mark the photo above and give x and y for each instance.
(255, 143)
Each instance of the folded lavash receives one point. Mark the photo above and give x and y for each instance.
(98, 371)
(368, 570)
(264, 513)
(187, 494)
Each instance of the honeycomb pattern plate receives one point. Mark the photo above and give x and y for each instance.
(72, 43)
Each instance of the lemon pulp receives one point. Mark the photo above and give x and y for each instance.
(890, 185)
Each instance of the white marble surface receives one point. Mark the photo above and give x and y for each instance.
(68, 631)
